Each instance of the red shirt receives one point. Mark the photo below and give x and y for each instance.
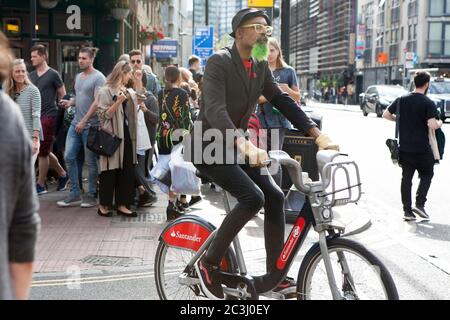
(248, 67)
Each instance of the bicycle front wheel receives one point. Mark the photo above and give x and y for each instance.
(170, 264)
(359, 274)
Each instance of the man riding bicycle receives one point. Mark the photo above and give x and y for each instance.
(234, 79)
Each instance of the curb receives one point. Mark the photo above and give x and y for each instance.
(338, 107)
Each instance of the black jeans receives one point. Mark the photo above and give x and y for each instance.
(119, 183)
(424, 164)
(253, 190)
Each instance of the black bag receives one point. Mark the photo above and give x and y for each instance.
(102, 142)
(393, 144)
(440, 138)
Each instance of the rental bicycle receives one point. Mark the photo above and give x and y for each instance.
(334, 268)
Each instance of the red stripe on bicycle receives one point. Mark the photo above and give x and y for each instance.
(290, 243)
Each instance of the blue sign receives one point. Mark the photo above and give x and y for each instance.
(203, 42)
(165, 49)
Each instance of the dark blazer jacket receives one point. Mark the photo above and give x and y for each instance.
(230, 97)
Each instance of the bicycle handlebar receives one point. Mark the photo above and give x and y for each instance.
(294, 168)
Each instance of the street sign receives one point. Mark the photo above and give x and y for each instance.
(409, 64)
(165, 49)
(203, 42)
(409, 56)
(260, 3)
(409, 60)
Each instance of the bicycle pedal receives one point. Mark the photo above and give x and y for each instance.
(238, 285)
(186, 279)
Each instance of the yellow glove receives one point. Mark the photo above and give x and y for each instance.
(324, 142)
(255, 155)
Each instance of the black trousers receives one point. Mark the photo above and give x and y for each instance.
(424, 164)
(253, 190)
(119, 183)
(149, 160)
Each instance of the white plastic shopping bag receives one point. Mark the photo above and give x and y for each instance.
(184, 179)
(160, 174)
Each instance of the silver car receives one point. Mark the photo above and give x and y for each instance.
(378, 97)
(439, 92)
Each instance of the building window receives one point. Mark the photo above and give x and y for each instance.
(439, 39)
(411, 46)
(380, 17)
(368, 57)
(368, 42)
(395, 12)
(413, 8)
(393, 52)
(412, 32)
(380, 40)
(439, 7)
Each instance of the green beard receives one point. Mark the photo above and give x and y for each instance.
(260, 51)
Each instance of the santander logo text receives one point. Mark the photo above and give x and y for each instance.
(183, 236)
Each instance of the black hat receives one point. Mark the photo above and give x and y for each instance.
(246, 14)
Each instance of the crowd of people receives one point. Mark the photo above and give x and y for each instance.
(128, 103)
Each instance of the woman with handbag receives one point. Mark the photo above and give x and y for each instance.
(117, 111)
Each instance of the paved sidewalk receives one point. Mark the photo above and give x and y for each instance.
(78, 240)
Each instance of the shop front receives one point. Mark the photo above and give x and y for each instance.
(63, 29)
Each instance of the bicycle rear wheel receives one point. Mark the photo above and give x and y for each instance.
(170, 264)
(367, 279)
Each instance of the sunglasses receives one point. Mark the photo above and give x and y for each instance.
(135, 61)
(260, 28)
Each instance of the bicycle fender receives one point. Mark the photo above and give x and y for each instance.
(188, 232)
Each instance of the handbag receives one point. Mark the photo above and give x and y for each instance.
(102, 142)
(433, 144)
(393, 144)
(440, 138)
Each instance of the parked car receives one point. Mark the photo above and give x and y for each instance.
(378, 97)
(439, 92)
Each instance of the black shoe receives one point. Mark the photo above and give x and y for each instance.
(206, 273)
(288, 288)
(409, 216)
(182, 206)
(146, 200)
(62, 183)
(420, 211)
(133, 214)
(173, 212)
(194, 200)
(109, 214)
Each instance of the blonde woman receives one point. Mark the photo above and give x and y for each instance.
(28, 97)
(117, 110)
(270, 117)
